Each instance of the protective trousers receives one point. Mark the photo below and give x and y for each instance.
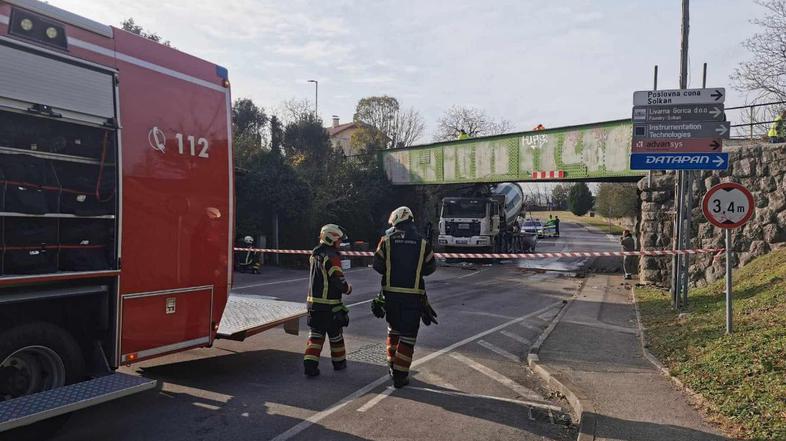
(402, 312)
(322, 323)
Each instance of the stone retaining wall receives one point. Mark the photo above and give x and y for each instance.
(758, 166)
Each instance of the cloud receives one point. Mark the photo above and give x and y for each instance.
(315, 50)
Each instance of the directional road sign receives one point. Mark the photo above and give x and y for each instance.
(678, 113)
(715, 95)
(676, 145)
(679, 161)
(728, 205)
(682, 130)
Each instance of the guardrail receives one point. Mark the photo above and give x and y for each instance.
(753, 117)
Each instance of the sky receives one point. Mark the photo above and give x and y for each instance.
(528, 61)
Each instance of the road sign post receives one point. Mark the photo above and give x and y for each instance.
(728, 206)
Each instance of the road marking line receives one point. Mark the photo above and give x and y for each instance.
(516, 337)
(319, 416)
(373, 402)
(206, 406)
(530, 327)
(496, 376)
(438, 380)
(473, 273)
(528, 403)
(500, 351)
(359, 303)
(278, 282)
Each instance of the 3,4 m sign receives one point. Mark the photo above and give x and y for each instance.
(728, 205)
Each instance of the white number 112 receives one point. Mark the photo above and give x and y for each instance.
(203, 153)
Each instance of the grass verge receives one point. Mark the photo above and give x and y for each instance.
(596, 221)
(743, 375)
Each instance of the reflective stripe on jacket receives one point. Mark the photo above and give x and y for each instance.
(403, 258)
(326, 282)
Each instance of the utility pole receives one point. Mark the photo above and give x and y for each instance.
(316, 96)
(684, 184)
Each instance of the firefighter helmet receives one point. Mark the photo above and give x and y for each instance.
(400, 214)
(248, 239)
(331, 234)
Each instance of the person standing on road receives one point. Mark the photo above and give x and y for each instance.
(556, 226)
(628, 244)
(403, 257)
(326, 312)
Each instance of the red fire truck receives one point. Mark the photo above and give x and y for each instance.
(116, 211)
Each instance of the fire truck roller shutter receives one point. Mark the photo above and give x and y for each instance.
(27, 78)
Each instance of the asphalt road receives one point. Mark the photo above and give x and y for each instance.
(469, 376)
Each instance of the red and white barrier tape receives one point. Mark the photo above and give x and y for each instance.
(649, 253)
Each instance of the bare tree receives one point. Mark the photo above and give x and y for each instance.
(764, 74)
(294, 110)
(402, 127)
(409, 127)
(473, 121)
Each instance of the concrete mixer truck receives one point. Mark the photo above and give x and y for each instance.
(484, 224)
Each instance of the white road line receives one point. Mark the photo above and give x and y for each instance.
(269, 283)
(373, 402)
(528, 403)
(516, 337)
(438, 380)
(496, 376)
(500, 351)
(319, 416)
(359, 303)
(531, 327)
(473, 273)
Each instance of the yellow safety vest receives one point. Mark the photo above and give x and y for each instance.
(776, 129)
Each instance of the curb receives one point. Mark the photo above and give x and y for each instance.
(582, 409)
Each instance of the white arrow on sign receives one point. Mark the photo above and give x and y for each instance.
(718, 161)
(715, 112)
(721, 130)
(713, 95)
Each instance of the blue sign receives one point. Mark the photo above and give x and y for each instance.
(679, 161)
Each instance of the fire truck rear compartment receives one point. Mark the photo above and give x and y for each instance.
(59, 205)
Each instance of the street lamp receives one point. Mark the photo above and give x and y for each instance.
(316, 96)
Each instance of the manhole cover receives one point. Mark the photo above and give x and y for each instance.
(371, 354)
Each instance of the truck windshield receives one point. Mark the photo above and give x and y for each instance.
(464, 208)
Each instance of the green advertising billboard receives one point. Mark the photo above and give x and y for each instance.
(591, 151)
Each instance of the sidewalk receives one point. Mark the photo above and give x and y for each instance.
(595, 353)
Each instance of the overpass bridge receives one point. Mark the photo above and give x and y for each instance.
(589, 152)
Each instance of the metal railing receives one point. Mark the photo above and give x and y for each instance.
(752, 117)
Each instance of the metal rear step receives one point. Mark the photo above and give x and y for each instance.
(245, 316)
(33, 408)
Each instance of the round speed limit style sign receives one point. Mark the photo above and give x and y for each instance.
(728, 205)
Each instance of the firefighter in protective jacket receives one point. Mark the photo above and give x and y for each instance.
(326, 312)
(403, 257)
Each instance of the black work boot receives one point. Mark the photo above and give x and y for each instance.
(311, 369)
(339, 365)
(400, 379)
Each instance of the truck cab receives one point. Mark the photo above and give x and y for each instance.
(469, 222)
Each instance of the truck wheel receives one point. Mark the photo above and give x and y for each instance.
(34, 358)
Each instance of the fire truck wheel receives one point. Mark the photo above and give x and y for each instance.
(33, 358)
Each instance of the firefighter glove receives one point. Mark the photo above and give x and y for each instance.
(428, 315)
(378, 306)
